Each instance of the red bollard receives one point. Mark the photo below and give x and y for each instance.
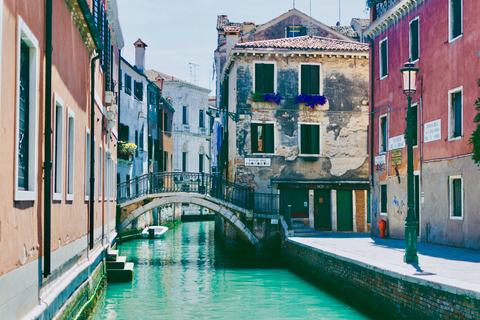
(382, 225)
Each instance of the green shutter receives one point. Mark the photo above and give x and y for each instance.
(306, 75)
(259, 77)
(314, 139)
(269, 138)
(414, 40)
(269, 78)
(315, 79)
(457, 105)
(254, 135)
(384, 67)
(457, 18)
(303, 139)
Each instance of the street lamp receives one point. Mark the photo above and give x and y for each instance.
(409, 75)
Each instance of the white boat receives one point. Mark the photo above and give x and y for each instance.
(154, 232)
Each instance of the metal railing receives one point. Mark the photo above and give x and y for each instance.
(203, 183)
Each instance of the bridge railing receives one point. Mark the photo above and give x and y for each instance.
(203, 183)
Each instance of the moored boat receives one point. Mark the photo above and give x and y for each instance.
(154, 232)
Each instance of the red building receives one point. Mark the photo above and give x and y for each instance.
(441, 38)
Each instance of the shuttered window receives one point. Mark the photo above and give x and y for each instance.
(310, 139)
(457, 113)
(185, 115)
(128, 84)
(262, 138)
(295, 31)
(201, 119)
(382, 146)
(383, 58)
(310, 79)
(456, 199)
(414, 40)
(184, 162)
(415, 124)
(264, 77)
(383, 198)
(24, 115)
(455, 18)
(200, 162)
(138, 90)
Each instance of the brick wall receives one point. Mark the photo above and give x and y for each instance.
(382, 294)
(360, 206)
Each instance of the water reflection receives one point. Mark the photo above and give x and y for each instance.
(185, 276)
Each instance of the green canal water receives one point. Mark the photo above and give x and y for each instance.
(186, 276)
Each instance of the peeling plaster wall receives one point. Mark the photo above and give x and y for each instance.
(343, 122)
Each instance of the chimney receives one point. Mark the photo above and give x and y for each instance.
(232, 34)
(140, 54)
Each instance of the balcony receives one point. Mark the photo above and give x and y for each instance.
(141, 107)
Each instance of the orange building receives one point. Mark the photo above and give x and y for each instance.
(56, 218)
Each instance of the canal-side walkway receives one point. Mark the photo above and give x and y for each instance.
(370, 274)
(444, 265)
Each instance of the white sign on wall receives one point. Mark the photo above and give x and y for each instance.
(397, 142)
(380, 160)
(257, 162)
(433, 130)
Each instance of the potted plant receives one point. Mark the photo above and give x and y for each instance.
(266, 97)
(126, 149)
(311, 100)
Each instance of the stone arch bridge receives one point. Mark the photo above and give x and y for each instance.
(249, 213)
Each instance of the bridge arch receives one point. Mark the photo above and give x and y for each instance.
(224, 209)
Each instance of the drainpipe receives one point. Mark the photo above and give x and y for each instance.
(119, 85)
(372, 114)
(47, 167)
(92, 148)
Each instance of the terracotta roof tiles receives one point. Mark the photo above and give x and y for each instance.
(305, 43)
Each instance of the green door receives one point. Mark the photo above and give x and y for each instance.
(344, 210)
(298, 199)
(322, 210)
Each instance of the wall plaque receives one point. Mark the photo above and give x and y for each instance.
(258, 162)
(433, 131)
(396, 157)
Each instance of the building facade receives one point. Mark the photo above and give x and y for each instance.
(59, 137)
(445, 184)
(276, 141)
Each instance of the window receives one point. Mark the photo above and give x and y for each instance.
(26, 114)
(455, 19)
(70, 153)
(383, 58)
(265, 78)
(415, 124)
(184, 161)
(100, 172)
(160, 119)
(383, 199)
(185, 115)
(141, 140)
(309, 139)
(128, 84)
(138, 87)
(128, 186)
(165, 122)
(455, 113)
(200, 162)
(201, 119)
(263, 138)
(165, 165)
(309, 79)
(123, 134)
(58, 150)
(87, 164)
(295, 31)
(456, 197)
(414, 40)
(136, 142)
(382, 132)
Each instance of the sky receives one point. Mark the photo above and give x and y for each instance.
(181, 32)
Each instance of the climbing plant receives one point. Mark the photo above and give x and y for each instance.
(475, 138)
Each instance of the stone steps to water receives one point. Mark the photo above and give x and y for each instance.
(112, 255)
(118, 264)
(300, 230)
(121, 275)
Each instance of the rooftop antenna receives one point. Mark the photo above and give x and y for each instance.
(193, 72)
(339, 13)
(310, 8)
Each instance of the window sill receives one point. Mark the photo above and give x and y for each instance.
(57, 197)
(87, 198)
(69, 197)
(25, 195)
(456, 218)
(455, 138)
(384, 214)
(455, 39)
(384, 77)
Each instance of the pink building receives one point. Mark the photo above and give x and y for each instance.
(441, 38)
(53, 237)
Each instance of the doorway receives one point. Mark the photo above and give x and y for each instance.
(344, 210)
(322, 210)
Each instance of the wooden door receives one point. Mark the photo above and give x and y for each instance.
(344, 210)
(322, 210)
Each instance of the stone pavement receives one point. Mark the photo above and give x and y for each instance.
(448, 268)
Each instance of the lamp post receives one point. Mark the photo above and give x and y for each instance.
(409, 75)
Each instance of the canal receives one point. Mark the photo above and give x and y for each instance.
(186, 276)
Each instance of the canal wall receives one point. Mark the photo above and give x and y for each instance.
(381, 293)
